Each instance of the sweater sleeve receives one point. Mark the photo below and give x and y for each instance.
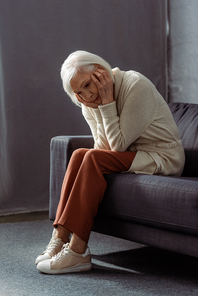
(95, 122)
(137, 114)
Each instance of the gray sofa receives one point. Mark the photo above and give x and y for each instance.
(159, 211)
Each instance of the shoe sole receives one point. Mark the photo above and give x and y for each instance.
(77, 268)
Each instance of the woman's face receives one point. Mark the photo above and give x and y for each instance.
(83, 85)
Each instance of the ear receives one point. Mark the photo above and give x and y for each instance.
(97, 66)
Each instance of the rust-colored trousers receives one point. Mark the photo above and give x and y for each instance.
(84, 186)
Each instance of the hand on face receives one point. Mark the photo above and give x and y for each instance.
(91, 104)
(104, 85)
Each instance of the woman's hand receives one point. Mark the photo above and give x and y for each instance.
(104, 83)
(90, 104)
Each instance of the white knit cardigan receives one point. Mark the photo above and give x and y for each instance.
(138, 120)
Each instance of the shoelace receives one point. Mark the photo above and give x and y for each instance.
(54, 243)
(63, 253)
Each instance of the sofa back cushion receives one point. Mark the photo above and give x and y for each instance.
(186, 118)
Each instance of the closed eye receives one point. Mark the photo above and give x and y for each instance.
(87, 84)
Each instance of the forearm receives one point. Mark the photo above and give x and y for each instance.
(94, 120)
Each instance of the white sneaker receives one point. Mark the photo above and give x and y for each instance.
(54, 247)
(66, 261)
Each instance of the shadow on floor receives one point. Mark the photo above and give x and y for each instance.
(147, 260)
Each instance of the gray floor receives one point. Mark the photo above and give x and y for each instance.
(119, 267)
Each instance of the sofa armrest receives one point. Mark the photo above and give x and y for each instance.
(61, 148)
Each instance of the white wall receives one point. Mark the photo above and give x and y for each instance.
(183, 51)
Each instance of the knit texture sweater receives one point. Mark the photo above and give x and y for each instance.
(138, 120)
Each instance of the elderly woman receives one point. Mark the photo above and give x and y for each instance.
(133, 131)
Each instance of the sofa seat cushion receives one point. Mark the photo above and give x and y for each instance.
(186, 118)
(160, 201)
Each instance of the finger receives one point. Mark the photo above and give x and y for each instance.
(99, 79)
(95, 79)
(99, 75)
(87, 104)
(103, 75)
(102, 72)
(90, 104)
(79, 99)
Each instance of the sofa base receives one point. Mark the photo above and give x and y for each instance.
(154, 237)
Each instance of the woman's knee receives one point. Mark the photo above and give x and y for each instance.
(93, 154)
(79, 152)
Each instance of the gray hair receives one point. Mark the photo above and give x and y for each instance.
(80, 61)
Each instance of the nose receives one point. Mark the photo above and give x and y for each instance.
(87, 95)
